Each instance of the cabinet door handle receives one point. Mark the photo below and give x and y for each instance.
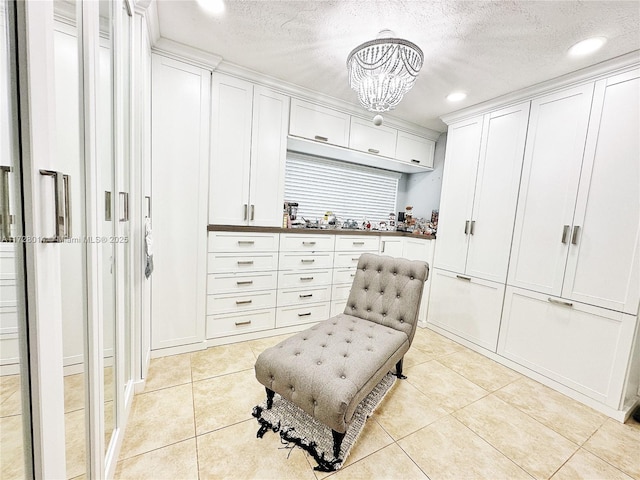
(373, 150)
(358, 243)
(353, 274)
(253, 212)
(245, 262)
(5, 214)
(107, 206)
(574, 236)
(247, 322)
(473, 227)
(565, 233)
(308, 260)
(463, 277)
(560, 302)
(304, 314)
(306, 295)
(243, 302)
(466, 227)
(355, 259)
(321, 138)
(246, 282)
(306, 278)
(413, 160)
(61, 211)
(245, 211)
(309, 243)
(124, 196)
(246, 242)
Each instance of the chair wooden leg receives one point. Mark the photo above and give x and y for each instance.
(399, 370)
(270, 394)
(337, 442)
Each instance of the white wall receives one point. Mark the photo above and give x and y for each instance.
(422, 190)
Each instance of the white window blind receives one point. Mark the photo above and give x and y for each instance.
(350, 191)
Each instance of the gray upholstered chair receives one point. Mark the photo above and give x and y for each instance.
(328, 369)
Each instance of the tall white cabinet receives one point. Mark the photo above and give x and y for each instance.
(480, 189)
(180, 149)
(248, 151)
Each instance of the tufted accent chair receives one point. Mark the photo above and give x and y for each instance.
(328, 369)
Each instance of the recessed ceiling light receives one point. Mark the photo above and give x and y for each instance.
(215, 7)
(456, 96)
(587, 46)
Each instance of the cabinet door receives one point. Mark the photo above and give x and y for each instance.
(180, 139)
(603, 261)
(268, 157)
(415, 150)
(583, 347)
(496, 193)
(366, 137)
(458, 183)
(546, 203)
(232, 101)
(319, 123)
(391, 246)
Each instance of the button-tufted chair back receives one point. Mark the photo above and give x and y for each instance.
(388, 291)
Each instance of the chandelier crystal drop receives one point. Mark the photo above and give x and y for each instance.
(381, 71)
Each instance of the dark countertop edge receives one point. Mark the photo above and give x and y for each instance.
(312, 231)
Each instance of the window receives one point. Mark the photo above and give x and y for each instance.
(349, 191)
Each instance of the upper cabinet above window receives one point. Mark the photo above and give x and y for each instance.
(319, 123)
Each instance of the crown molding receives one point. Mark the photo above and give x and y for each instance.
(592, 73)
(149, 10)
(182, 52)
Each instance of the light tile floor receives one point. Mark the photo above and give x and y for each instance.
(458, 415)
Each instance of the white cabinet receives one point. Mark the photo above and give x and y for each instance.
(249, 142)
(550, 176)
(319, 123)
(180, 142)
(584, 347)
(378, 140)
(415, 150)
(391, 246)
(481, 179)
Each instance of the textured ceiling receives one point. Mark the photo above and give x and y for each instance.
(485, 48)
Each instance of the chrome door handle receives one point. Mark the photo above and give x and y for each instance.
(565, 233)
(463, 277)
(147, 200)
(304, 314)
(245, 262)
(60, 209)
(124, 196)
(308, 243)
(243, 302)
(358, 243)
(308, 295)
(5, 214)
(107, 206)
(246, 282)
(466, 227)
(253, 211)
(246, 242)
(246, 322)
(321, 138)
(306, 260)
(306, 278)
(373, 150)
(473, 227)
(560, 302)
(245, 211)
(67, 206)
(574, 236)
(413, 160)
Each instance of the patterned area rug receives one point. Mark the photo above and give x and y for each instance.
(299, 429)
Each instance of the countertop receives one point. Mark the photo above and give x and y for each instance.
(314, 231)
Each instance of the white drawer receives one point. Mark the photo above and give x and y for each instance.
(357, 243)
(224, 303)
(286, 316)
(306, 243)
(241, 282)
(233, 324)
(344, 275)
(297, 261)
(338, 307)
(313, 278)
(231, 263)
(242, 242)
(346, 259)
(340, 292)
(301, 296)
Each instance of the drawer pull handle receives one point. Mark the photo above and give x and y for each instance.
(560, 302)
(355, 259)
(308, 260)
(353, 274)
(308, 243)
(308, 314)
(245, 282)
(243, 302)
(245, 262)
(463, 277)
(321, 138)
(306, 295)
(413, 160)
(574, 236)
(565, 233)
(306, 278)
(358, 243)
(246, 242)
(247, 322)
(373, 150)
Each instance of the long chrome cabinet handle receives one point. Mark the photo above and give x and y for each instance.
(5, 214)
(574, 235)
(246, 242)
(107, 206)
(304, 314)
(61, 210)
(245, 211)
(246, 322)
(307, 260)
(245, 282)
(124, 196)
(306, 278)
(473, 227)
(308, 243)
(253, 212)
(466, 227)
(565, 233)
(245, 262)
(306, 295)
(321, 138)
(463, 277)
(67, 206)
(243, 302)
(560, 302)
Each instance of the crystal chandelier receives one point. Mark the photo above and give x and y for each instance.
(383, 70)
